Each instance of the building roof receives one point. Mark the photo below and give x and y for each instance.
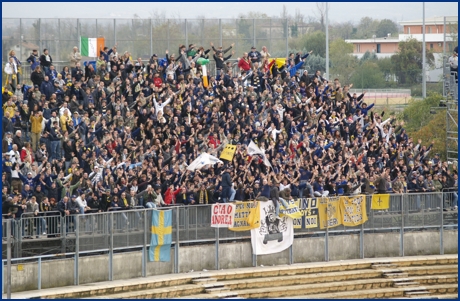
(29, 45)
(376, 40)
(431, 21)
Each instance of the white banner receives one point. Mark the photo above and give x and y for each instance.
(274, 235)
(222, 215)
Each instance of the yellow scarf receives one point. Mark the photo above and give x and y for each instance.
(203, 192)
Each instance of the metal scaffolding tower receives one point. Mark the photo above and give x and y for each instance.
(450, 93)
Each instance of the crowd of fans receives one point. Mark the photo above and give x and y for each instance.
(120, 133)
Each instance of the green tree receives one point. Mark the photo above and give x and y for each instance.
(386, 27)
(315, 62)
(244, 28)
(316, 42)
(434, 131)
(368, 76)
(407, 62)
(417, 113)
(422, 124)
(294, 30)
(367, 27)
(386, 67)
(368, 56)
(343, 63)
(341, 31)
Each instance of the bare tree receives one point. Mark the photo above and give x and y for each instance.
(320, 14)
(299, 18)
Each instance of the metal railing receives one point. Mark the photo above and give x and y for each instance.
(389, 91)
(125, 230)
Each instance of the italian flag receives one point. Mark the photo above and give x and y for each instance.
(91, 47)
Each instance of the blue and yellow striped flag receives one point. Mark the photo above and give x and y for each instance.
(160, 244)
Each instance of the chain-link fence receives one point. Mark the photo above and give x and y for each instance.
(142, 37)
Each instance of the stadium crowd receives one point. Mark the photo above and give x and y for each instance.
(120, 134)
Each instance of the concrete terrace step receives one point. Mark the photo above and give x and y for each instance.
(406, 284)
(317, 288)
(158, 281)
(443, 288)
(251, 283)
(447, 296)
(223, 295)
(436, 279)
(430, 270)
(218, 289)
(393, 293)
(160, 293)
(357, 294)
(333, 266)
(384, 266)
(417, 294)
(204, 280)
(396, 275)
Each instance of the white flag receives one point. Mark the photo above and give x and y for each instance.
(253, 149)
(202, 160)
(274, 235)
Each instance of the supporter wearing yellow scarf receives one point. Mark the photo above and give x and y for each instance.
(203, 196)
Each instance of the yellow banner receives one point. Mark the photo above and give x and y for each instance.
(380, 201)
(279, 62)
(228, 152)
(292, 210)
(329, 212)
(353, 210)
(247, 216)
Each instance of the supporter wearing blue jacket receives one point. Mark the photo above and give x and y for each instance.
(318, 188)
(293, 68)
(33, 60)
(29, 180)
(47, 88)
(52, 73)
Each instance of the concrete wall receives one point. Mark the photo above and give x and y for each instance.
(381, 245)
(60, 272)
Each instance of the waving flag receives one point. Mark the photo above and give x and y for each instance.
(203, 160)
(91, 47)
(253, 149)
(160, 244)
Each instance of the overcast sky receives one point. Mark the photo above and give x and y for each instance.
(338, 12)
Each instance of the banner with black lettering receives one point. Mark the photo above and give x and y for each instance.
(309, 210)
(274, 235)
(292, 210)
(353, 210)
(247, 216)
(329, 212)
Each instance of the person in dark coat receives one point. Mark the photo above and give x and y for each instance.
(47, 88)
(37, 76)
(226, 184)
